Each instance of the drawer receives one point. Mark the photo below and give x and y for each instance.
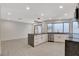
(60, 38)
(37, 42)
(37, 37)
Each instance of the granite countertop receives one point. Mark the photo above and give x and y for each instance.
(54, 33)
(74, 40)
(49, 33)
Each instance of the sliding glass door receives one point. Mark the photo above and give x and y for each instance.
(66, 27)
(75, 30)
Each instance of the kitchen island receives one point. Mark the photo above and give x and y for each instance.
(71, 48)
(36, 39)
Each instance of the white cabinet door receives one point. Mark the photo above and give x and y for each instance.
(60, 37)
(0, 47)
(44, 38)
(37, 39)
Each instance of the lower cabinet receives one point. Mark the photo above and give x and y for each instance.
(0, 48)
(38, 39)
(44, 38)
(71, 48)
(50, 37)
(60, 37)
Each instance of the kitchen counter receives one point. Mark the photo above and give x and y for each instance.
(71, 48)
(53, 33)
(36, 39)
(49, 33)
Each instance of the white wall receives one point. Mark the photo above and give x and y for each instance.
(14, 30)
(0, 47)
(44, 27)
(0, 36)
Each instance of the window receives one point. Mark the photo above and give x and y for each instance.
(58, 27)
(50, 27)
(75, 27)
(38, 29)
(66, 27)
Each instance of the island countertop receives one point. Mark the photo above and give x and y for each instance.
(71, 48)
(49, 33)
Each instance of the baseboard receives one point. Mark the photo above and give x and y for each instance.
(59, 42)
(15, 39)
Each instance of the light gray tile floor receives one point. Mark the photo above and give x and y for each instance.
(21, 48)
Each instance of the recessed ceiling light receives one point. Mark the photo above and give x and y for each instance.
(50, 18)
(61, 6)
(9, 13)
(28, 8)
(33, 16)
(65, 14)
(42, 14)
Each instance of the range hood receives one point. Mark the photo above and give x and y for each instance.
(77, 12)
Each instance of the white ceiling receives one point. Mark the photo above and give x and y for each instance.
(18, 12)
